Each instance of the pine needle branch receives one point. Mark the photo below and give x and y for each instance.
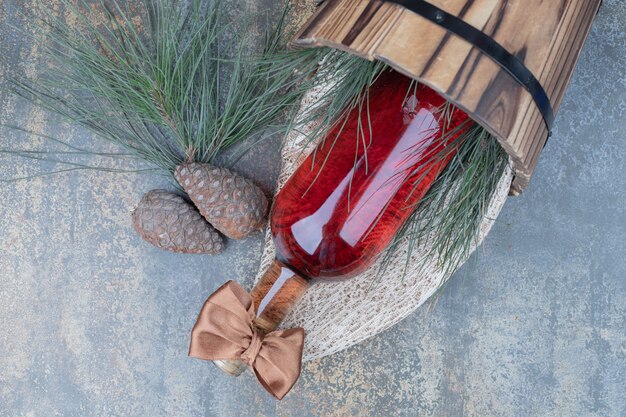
(166, 82)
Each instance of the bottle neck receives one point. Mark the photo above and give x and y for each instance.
(275, 295)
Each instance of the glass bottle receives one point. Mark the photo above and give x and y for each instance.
(342, 207)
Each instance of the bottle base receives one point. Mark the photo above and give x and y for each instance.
(231, 367)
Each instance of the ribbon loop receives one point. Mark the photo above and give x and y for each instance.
(225, 330)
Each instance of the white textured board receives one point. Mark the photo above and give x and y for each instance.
(338, 315)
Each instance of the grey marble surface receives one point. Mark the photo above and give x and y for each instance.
(95, 322)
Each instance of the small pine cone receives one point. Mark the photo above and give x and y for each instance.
(232, 204)
(168, 222)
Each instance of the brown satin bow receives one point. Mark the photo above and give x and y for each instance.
(225, 331)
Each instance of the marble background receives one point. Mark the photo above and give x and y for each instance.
(96, 323)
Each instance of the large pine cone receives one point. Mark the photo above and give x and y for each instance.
(168, 222)
(232, 204)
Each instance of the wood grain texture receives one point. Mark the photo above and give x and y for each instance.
(546, 36)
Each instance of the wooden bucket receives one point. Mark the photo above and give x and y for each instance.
(546, 37)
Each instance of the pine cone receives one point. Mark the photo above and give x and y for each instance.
(232, 204)
(168, 222)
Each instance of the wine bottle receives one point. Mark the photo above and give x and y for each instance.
(342, 207)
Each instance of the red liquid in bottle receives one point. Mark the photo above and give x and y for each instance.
(342, 207)
(344, 204)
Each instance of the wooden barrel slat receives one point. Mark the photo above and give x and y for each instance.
(384, 21)
(559, 84)
(532, 118)
(536, 128)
